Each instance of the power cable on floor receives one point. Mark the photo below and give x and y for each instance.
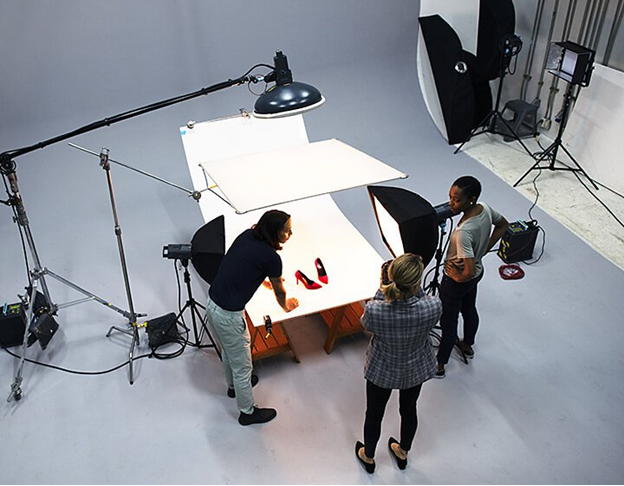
(75, 372)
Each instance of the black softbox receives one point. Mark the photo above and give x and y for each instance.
(497, 19)
(455, 88)
(408, 222)
(208, 249)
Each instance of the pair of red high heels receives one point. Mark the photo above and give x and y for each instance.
(308, 283)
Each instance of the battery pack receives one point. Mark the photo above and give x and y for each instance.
(518, 242)
(12, 325)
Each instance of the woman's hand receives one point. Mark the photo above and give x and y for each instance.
(461, 273)
(384, 278)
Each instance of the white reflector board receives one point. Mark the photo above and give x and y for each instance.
(267, 178)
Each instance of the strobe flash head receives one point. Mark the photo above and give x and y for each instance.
(177, 252)
(443, 212)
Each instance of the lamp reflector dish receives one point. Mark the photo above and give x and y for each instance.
(287, 100)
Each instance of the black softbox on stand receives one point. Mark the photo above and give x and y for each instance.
(497, 19)
(450, 65)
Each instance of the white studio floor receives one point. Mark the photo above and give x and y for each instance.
(559, 193)
(540, 403)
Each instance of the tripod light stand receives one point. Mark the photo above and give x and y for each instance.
(193, 305)
(510, 46)
(206, 251)
(572, 63)
(434, 286)
(285, 98)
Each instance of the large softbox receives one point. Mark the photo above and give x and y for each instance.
(407, 222)
(453, 82)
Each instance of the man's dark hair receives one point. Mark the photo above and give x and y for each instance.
(470, 186)
(269, 227)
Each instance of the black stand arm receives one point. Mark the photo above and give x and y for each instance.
(5, 157)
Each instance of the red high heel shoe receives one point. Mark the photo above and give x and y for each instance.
(320, 270)
(307, 283)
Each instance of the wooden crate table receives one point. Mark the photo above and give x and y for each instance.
(342, 321)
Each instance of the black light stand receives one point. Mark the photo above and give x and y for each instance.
(434, 288)
(551, 152)
(510, 46)
(193, 305)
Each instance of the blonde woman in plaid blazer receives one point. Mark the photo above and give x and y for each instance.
(400, 355)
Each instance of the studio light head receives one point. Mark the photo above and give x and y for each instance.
(443, 212)
(510, 45)
(177, 252)
(205, 251)
(287, 97)
(407, 222)
(571, 62)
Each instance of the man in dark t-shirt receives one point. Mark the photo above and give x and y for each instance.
(250, 260)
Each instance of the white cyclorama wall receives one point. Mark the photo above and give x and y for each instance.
(593, 134)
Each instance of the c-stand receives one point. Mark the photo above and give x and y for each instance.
(284, 99)
(38, 273)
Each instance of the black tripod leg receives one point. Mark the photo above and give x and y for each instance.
(181, 313)
(485, 122)
(536, 164)
(512, 132)
(579, 168)
(205, 329)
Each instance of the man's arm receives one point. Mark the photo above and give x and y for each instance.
(280, 295)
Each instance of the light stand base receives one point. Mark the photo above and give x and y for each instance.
(489, 125)
(550, 154)
(194, 306)
(130, 330)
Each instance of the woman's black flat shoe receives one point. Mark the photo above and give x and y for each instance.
(402, 463)
(370, 468)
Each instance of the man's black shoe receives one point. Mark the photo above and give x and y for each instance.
(259, 416)
(254, 381)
